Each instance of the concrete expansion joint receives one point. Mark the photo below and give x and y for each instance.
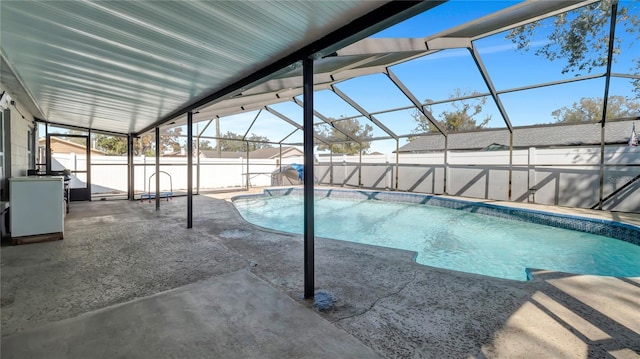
(378, 300)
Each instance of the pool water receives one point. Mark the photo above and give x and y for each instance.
(449, 238)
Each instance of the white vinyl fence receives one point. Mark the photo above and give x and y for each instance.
(109, 173)
(563, 176)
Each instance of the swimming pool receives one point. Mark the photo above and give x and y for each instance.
(451, 234)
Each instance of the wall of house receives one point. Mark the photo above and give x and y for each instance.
(18, 122)
(14, 130)
(66, 148)
(20, 128)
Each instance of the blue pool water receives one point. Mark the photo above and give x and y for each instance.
(449, 238)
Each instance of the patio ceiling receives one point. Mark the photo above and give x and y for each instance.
(128, 66)
(124, 66)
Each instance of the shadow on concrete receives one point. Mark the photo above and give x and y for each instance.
(118, 251)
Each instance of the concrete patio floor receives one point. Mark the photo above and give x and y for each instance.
(129, 281)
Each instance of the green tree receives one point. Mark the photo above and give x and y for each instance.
(145, 145)
(351, 126)
(260, 142)
(463, 117)
(581, 37)
(112, 145)
(205, 145)
(170, 141)
(233, 142)
(590, 109)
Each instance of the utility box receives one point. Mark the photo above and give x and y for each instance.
(36, 209)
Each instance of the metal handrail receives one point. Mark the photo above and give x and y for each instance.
(169, 195)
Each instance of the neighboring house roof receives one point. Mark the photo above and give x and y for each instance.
(59, 145)
(564, 134)
(223, 154)
(274, 152)
(263, 153)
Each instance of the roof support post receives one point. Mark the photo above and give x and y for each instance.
(157, 168)
(397, 163)
(309, 231)
(247, 168)
(47, 144)
(605, 99)
(189, 169)
(130, 169)
(360, 167)
(218, 145)
(280, 164)
(88, 163)
(446, 165)
(489, 83)
(510, 190)
(331, 165)
(198, 155)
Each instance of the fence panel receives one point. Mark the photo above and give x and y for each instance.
(557, 176)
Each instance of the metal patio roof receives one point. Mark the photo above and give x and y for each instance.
(375, 55)
(128, 66)
(122, 66)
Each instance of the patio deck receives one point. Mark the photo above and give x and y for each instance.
(121, 266)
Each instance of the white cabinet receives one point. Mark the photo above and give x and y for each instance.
(36, 207)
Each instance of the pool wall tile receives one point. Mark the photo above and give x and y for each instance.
(623, 231)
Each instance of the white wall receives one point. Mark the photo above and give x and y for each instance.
(109, 173)
(20, 121)
(564, 176)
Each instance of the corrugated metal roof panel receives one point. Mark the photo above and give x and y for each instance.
(120, 65)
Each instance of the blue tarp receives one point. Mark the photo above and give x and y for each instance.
(299, 168)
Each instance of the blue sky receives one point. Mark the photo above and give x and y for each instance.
(437, 77)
